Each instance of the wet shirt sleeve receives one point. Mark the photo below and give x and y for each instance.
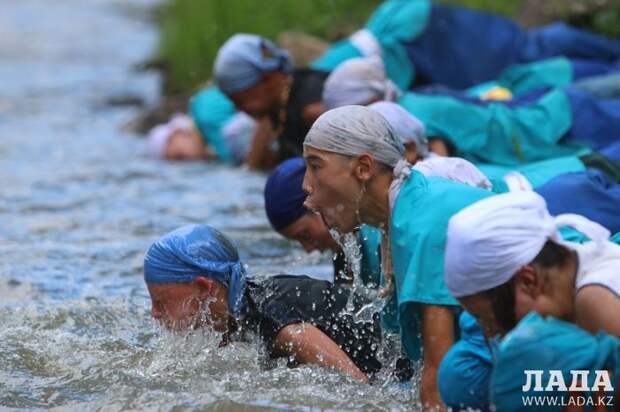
(285, 300)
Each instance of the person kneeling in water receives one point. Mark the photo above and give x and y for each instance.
(506, 257)
(195, 279)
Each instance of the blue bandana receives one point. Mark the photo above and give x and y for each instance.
(284, 197)
(197, 250)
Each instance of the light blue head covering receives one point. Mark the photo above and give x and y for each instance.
(242, 60)
(546, 344)
(197, 250)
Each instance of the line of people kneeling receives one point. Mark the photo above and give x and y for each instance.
(484, 286)
(497, 269)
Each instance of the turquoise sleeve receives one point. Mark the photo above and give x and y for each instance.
(211, 109)
(523, 78)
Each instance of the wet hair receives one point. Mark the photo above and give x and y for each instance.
(503, 304)
(502, 297)
(552, 254)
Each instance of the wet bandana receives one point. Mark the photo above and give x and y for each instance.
(490, 240)
(356, 130)
(242, 60)
(197, 250)
(284, 197)
(358, 81)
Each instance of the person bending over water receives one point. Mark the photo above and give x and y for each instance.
(352, 178)
(507, 133)
(258, 77)
(427, 42)
(195, 279)
(565, 183)
(215, 131)
(284, 205)
(505, 257)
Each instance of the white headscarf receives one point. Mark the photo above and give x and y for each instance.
(455, 169)
(490, 240)
(366, 42)
(160, 135)
(353, 131)
(358, 81)
(408, 127)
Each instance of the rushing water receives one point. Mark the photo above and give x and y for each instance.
(79, 205)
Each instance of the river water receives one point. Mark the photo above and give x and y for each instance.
(79, 205)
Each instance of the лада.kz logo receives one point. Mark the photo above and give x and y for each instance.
(568, 392)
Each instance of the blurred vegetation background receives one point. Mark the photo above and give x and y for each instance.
(193, 30)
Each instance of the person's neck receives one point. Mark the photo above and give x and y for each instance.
(375, 207)
(564, 287)
(569, 270)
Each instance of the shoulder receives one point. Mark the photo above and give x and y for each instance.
(287, 294)
(434, 198)
(598, 265)
(593, 305)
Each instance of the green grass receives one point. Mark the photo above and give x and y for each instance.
(505, 7)
(193, 30)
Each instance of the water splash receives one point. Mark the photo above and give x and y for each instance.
(79, 206)
(364, 302)
(109, 353)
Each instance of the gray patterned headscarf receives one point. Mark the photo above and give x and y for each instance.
(356, 130)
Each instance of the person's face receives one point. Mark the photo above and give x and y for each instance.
(310, 231)
(262, 99)
(180, 306)
(479, 306)
(185, 145)
(548, 294)
(332, 188)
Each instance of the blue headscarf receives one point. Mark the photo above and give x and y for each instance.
(242, 60)
(197, 250)
(284, 197)
(546, 344)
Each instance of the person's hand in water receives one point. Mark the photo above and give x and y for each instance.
(261, 154)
